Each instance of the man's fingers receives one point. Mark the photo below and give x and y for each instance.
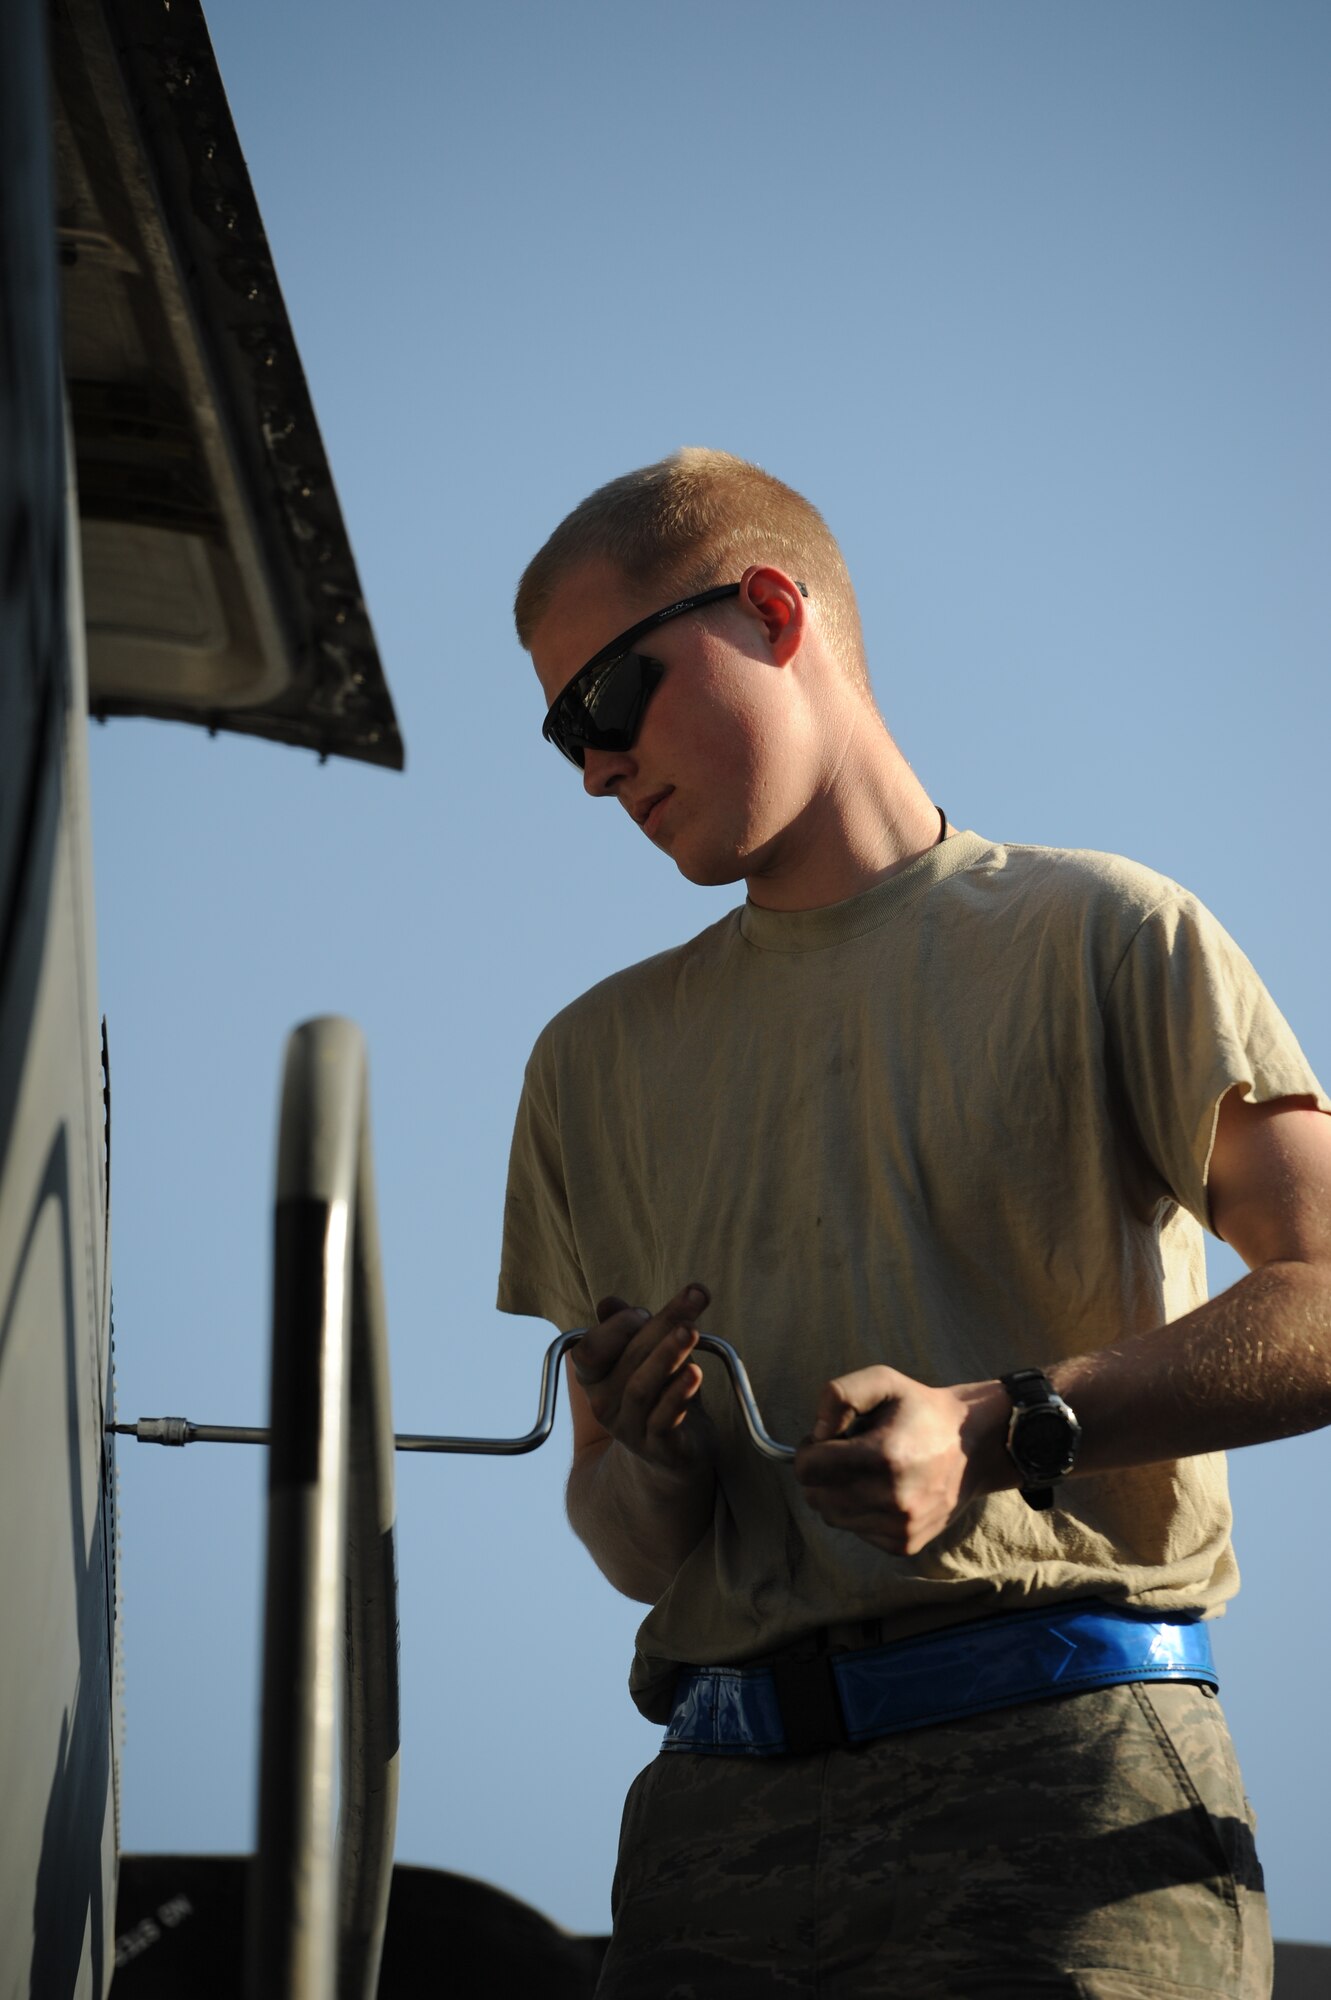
(685, 1305)
(603, 1346)
(632, 1359)
(844, 1506)
(652, 1376)
(833, 1414)
(672, 1405)
(840, 1462)
(846, 1402)
(877, 1519)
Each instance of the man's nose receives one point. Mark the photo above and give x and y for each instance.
(604, 770)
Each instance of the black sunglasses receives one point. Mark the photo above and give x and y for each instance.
(602, 707)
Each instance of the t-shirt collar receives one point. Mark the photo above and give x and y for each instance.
(835, 923)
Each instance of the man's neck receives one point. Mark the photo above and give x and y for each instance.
(870, 820)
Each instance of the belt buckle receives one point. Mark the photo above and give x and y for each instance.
(809, 1702)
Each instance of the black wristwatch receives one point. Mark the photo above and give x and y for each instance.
(1042, 1435)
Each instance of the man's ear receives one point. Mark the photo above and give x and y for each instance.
(776, 601)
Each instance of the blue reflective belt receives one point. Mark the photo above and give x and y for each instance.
(794, 1706)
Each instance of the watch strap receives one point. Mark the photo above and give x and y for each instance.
(1028, 1387)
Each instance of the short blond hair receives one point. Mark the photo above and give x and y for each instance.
(694, 519)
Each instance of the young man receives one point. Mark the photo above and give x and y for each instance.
(935, 1125)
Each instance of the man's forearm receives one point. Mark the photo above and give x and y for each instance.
(1250, 1365)
(894, 1461)
(638, 1522)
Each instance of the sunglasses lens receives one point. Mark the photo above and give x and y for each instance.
(603, 709)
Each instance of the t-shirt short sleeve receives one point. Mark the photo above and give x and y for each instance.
(1188, 1019)
(540, 1274)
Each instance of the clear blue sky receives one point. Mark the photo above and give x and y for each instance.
(1034, 301)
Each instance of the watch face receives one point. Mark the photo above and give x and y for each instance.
(1044, 1443)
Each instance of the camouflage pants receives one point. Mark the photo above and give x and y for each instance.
(1095, 1845)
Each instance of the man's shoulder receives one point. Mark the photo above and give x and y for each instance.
(643, 988)
(1077, 879)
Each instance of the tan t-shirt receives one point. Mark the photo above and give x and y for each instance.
(960, 1124)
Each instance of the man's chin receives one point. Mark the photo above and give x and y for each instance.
(709, 871)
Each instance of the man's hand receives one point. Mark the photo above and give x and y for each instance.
(643, 1507)
(894, 1462)
(634, 1370)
